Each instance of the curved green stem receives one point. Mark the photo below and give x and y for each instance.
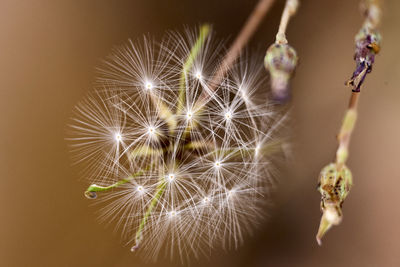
(204, 31)
(154, 201)
(93, 188)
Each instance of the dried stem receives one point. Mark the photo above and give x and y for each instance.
(241, 40)
(336, 179)
(290, 9)
(346, 130)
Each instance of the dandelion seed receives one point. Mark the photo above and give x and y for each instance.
(231, 192)
(140, 189)
(151, 130)
(228, 115)
(243, 93)
(199, 76)
(149, 85)
(189, 115)
(172, 213)
(171, 177)
(217, 164)
(118, 137)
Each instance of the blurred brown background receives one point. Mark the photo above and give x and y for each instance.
(48, 51)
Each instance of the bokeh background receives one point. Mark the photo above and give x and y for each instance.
(48, 52)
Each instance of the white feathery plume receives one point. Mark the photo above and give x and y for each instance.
(177, 177)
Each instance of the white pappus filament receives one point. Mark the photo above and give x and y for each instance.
(185, 161)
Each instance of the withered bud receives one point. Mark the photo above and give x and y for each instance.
(367, 46)
(334, 185)
(280, 60)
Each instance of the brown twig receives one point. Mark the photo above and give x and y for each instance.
(289, 10)
(241, 40)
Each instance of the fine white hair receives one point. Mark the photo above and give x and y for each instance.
(212, 160)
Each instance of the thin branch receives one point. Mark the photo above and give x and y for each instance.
(336, 179)
(241, 40)
(290, 9)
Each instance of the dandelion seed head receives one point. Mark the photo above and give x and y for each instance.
(149, 138)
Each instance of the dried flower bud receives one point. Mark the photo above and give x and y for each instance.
(334, 184)
(367, 46)
(280, 61)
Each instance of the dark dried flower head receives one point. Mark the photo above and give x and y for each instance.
(367, 42)
(367, 46)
